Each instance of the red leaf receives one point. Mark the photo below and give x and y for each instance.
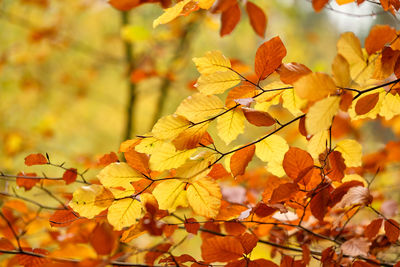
(366, 103)
(70, 175)
(291, 72)
(6, 244)
(296, 162)
(234, 228)
(102, 239)
(62, 218)
(221, 249)
(218, 171)
(229, 19)
(318, 5)
(263, 210)
(27, 183)
(35, 159)
(258, 118)
(257, 17)
(373, 228)
(306, 254)
(240, 159)
(392, 230)
(269, 57)
(32, 261)
(192, 226)
(336, 161)
(378, 37)
(319, 204)
(107, 159)
(159, 250)
(284, 192)
(248, 241)
(261, 263)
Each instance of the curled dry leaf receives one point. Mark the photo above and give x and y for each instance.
(358, 195)
(356, 247)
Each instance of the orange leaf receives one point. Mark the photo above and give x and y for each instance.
(229, 19)
(392, 230)
(138, 161)
(248, 242)
(240, 159)
(366, 103)
(291, 72)
(296, 162)
(345, 101)
(221, 249)
(318, 5)
(32, 261)
(378, 37)
(6, 244)
(261, 263)
(107, 159)
(35, 159)
(169, 229)
(373, 228)
(62, 218)
(284, 192)
(159, 250)
(336, 161)
(192, 226)
(258, 118)
(27, 183)
(257, 17)
(218, 171)
(269, 57)
(102, 239)
(319, 204)
(238, 92)
(70, 175)
(234, 228)
(263, 210)
(306, 254)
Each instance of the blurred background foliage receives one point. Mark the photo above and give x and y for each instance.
(64, 78)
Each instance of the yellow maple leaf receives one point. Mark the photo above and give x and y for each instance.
(351, 152)
(124, 212)
(213, 61)
(217, 83)
(204, 196)
(171, 194)
(320, 115)
(84, 201)
(170, 13)
(167, 157)
(199, 107)
(118, 174)
(230, 125)
(170, 126)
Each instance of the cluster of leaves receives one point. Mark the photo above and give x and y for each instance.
(177, 178)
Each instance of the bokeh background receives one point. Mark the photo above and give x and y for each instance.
(64, 78)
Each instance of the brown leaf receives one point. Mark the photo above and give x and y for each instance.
(261, 263)
(284, 192)
(356, 247)
(336, 161)
(340, 191)
(258, 118)
(392, 230)
(229, 19)
(263, 210)
(366, 103)
(70, 175)
(378, 37)
(240, 159)
(257, 17)
(248, 241)
(291, 72)
(192, 226)
(319, 204)
(234, 228)
(159, 250)
(306, 254)
(35, 159)
(296, 161)
(221, 249)
(269, 57)
(373, 228)
(179, 259)
(102, 239)
(358, 195)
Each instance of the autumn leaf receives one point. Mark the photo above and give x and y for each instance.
(229, 19)
(199, 107)
(366, 103)
(258, 118)
(319, 204)
(378, 37)
(213, 61)
(230, 125)
(351, 152)
(119, 174)
(221, 249)
(392, 230)
(291, 72)
(240, 159)
(318, 5)
(124, 212)
(170, 13)
(102, 239)
(138, 161)
(314, 86)
(204, 196)
(358, 195)
(35, 159)
(356, 247)
(284, 192)
(170, 194)
(258, 19)
(217, 83)
(296, 161)
(268, 57)
(373, 228)
(167, 157)
(27, 180)
(70, 175)
(169, 127)
(320, 115)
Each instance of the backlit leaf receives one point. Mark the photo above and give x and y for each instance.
(258, 19)
(258, 118)
(240, 159)
(124, 212)
(213, 61)
(296, 161)
(229, 19)
(170, 13)
(169, 127)
(221, 249)
(373, 228)
(35, 159)
(291, 72)
(351, 152)
(217, 83)
(199, 107)
(170, 194)
(204, 196)
(320, 115)
(314, 86)
(167, 157)
(230, 125)
(268, 57)
(378, 37)
(119, 174)
(392, 230)
(366, 103)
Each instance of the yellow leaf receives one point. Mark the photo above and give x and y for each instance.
(341, 71)
(148, 145)
(373, 112)
(317, 144)
(204, 197)
(320, 115)
(124, 212)
(314, 86)
(217, 83)
(342, 2)
(170, 194)
(390, 106)
(276, 168)
(118, 174)
(199, 107)
(351, 152)
(230, 125)
(169, 127)
(354, 177)
(272, 148)
(84, 201)
(206, 4)
(198, 166)
(293, 102)
(170, 13)
(166, 157)
(213, 61)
